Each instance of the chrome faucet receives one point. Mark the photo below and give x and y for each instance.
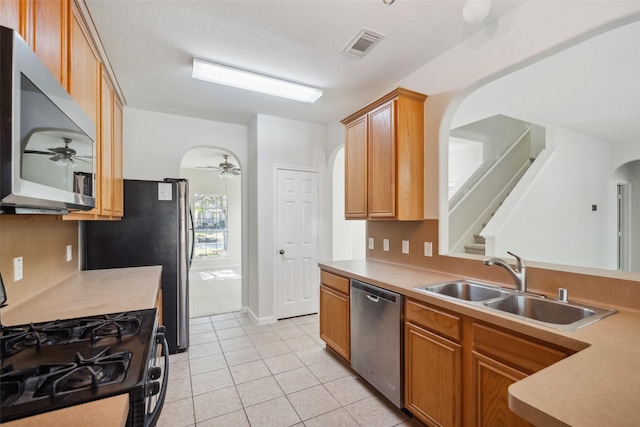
(519, 274)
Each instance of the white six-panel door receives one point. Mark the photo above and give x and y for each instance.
(297, 243)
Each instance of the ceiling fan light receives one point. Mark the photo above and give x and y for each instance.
(226, 174)
(242, 79)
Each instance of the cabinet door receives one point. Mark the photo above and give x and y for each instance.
(433, 377)
(106, 152)
(50, 35)
(491, 381)
(10, 15)
(118, 199)
(382, 162)
(355, 176)
(335, 321)
(84, 87)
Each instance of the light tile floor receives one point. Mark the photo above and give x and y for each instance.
(237, 373)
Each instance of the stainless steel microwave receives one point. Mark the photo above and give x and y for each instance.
(47, 143)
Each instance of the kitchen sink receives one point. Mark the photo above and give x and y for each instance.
(563, 315)
(566, 316)
(466, 290)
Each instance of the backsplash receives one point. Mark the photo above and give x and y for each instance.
(583, 284)
(42, 243)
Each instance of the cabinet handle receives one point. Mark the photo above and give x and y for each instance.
(281, 252)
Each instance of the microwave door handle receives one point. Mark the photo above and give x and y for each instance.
(152, 420)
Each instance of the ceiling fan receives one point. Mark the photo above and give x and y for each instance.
(62, 155)
(226, 169)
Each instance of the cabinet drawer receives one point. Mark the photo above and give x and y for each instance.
(445, 324)
(339, 283)
(518, 352)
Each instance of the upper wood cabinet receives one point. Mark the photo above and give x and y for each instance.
(10, 16)
(91, 87)
(118, 184)
(384, 158)
(44, 25)
(62, 38)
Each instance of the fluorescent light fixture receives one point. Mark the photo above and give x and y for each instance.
(242, 79)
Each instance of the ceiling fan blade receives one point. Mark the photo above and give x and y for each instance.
(47, 153)
(56, 158)
(235, 171)
(81, 159)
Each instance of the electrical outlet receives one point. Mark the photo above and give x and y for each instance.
(428, 249)
(385, 245)
(17, 269)
(405, 246)
(69, 253)
(371, 243)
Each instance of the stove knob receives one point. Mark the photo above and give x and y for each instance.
(155, 372)
(159, 338)
(153, 387)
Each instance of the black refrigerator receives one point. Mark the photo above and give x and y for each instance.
(154, 231)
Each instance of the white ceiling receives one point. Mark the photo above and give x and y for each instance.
(592, 88)
(150, 45)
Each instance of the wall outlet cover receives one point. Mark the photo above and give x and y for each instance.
(405, 246)
(17, 269)
(371, 243)
(428, 249)
(69, 253)
(385, 245)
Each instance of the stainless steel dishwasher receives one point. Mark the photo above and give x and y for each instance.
(376, 338)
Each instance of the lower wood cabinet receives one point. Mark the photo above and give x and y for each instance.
(492, 380)
(433, 365)
(458, 369)
(335, 318)
(433, 377)
(500, 358)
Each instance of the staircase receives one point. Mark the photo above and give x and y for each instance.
(477, 247)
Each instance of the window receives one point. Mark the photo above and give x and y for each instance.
(210, 222)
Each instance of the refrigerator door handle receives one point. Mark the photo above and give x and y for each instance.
(193, 237)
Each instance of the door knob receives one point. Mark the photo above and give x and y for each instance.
(281, 251)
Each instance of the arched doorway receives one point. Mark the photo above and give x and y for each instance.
(215, 282)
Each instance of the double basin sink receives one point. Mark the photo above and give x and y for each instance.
(567, 316)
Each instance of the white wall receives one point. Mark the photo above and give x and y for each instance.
(276, 142)
(348, 237)
(155, 143)
(557, 203)
(512, 42)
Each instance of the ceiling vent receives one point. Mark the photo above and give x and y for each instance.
(363, 42)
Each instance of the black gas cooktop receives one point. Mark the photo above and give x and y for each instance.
(51, 365)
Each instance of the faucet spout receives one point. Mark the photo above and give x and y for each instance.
(518, 274)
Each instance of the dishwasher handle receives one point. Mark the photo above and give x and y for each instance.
(375, 293)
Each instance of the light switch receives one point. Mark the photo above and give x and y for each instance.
(405, 246)
(371, 243)
(385, 245)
